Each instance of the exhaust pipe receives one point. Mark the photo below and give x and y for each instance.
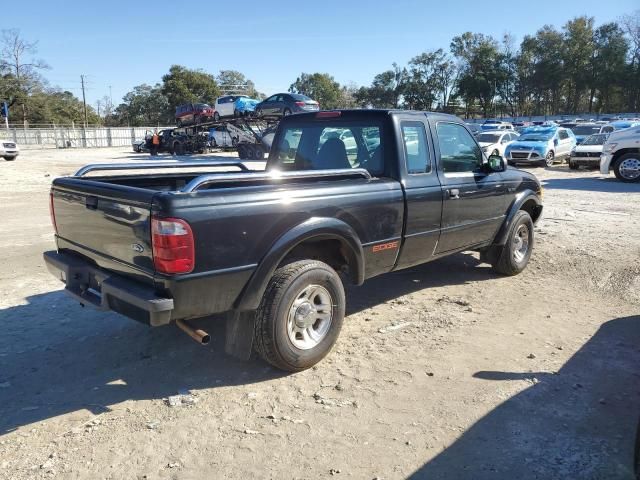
(198, 335)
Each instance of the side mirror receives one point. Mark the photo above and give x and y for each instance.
(495, 164)
(555, 142)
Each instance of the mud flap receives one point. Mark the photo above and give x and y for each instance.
(239, 334)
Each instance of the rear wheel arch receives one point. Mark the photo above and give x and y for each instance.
(325, 239)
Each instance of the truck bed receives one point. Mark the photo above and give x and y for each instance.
(236, 217)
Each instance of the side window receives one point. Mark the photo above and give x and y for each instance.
(563, 134)
(416, 148)
(458, 150)
(272, 98)
(607, 129)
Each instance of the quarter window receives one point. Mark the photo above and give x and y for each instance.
(458, 150)
(416, 149)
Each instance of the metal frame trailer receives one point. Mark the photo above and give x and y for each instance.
(247, 135)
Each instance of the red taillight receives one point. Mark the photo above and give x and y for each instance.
(52, 213)
(300, 104)
(172, 241)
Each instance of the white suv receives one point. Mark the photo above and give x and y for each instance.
(621, 153)
(9, 150)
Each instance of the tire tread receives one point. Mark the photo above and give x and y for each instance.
(264, 332)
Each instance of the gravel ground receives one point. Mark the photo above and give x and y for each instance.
(483, 377)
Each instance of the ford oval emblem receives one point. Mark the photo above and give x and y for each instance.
(136, 247)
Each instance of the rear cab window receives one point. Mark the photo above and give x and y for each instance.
(331, 144)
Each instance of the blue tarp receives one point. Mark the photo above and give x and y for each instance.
(244, 104)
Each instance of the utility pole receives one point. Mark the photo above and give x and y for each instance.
(495, 100)
(98, 103)
(84, 101)
(110, 98)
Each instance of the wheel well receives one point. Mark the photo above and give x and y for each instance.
(621, 152)
(333, 252)
(532, 208)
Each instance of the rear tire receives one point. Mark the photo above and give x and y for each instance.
(249, 152)
(573, 165)
(627, 168)
(242, 152)
(300, 316)
(286, 112)
(513, 257)
(9, 158)
(258, 153)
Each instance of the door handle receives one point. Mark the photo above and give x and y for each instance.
(454, 193)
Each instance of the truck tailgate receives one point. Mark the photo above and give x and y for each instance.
(110, 224)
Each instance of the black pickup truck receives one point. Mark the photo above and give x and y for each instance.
(346, 195)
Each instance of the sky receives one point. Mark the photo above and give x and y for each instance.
(120, 44)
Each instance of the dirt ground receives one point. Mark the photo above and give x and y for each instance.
(484, 377)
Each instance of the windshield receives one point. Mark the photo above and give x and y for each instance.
(328, 145)
(585, 129)
(488, 138)
(597, 139)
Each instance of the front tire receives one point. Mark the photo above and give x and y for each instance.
(550, 159)
(514, 255)
(300, 316)
(573, 165)
(9, 158)
(627, 168)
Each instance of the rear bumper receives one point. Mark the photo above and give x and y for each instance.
(105, 291)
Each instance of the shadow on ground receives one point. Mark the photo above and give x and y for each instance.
(57, 357)
(593, 184)
(577, 423)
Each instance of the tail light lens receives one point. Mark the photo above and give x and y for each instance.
(173, 246)
(52, 213)
(300, 104)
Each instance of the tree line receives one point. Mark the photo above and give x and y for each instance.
(581, 67)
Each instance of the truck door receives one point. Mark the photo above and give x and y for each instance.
(423, 192)
(474, 203)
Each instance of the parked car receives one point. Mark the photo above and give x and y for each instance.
(494, 142)
(9, 150)
(622, 124)
(245, 106)
(168, 141)
(220, 137)
(496, 125)
(474, 128)
(621, 153)
(583, 130)
(266, 246)
(234, 106)
(541, 145)
(588, 152)
(193, 114)
(283, 104)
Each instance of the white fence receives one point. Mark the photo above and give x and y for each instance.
(74, 137)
